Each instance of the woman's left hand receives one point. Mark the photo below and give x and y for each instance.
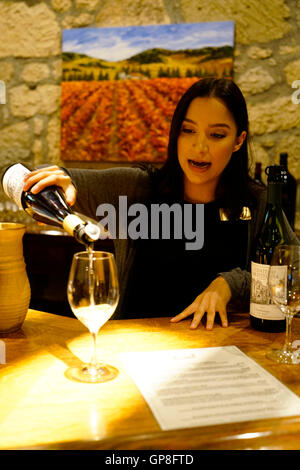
(212, 300)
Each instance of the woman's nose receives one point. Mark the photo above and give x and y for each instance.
(200, 143)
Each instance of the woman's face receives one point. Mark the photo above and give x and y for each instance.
(207, 139)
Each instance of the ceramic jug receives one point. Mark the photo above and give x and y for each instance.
(14, 283)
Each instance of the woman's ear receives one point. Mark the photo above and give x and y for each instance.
(239, 141)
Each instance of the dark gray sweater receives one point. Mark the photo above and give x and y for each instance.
(95, 187)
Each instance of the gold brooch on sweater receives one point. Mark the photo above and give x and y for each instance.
(245, 214)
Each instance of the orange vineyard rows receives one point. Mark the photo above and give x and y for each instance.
(118, 120)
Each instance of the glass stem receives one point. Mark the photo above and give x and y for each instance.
(93, 361)
(288, 335)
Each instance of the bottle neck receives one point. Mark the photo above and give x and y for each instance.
(257, 176)
(283, 162)
(257, 173)
(275, 194)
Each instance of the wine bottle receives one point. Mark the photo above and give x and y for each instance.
(48, 206)
(264, 315)
(257, 174)
(289, 191)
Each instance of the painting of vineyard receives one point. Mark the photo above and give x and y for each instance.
(120, 86)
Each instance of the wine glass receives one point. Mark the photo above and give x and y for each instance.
(93, 294)
(284, 286)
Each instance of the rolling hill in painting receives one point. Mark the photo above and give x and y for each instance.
(152, 63)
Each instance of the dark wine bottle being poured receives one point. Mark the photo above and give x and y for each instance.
(47, 206)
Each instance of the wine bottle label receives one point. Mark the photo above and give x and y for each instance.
(12, 182)
(71, 222)
(261, 305)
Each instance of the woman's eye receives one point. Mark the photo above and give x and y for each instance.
(218, 136)
(187, 130)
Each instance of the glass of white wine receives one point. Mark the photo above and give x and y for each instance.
(284, 286)
(93, 294)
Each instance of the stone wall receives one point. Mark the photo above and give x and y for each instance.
(267, 62)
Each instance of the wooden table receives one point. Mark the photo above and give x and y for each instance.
(42, 409)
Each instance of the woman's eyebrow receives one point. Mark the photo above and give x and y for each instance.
(189, 120)
(218, 124)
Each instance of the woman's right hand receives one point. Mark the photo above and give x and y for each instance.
(48, 176)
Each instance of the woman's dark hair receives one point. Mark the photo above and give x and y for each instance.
(233, 190)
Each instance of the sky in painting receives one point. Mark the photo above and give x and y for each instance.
(114, 44)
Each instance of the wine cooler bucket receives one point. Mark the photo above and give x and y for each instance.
(14, 283)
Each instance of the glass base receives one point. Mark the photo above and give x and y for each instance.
(284, 356)
(100, 373)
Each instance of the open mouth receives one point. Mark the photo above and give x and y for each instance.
(202, 165)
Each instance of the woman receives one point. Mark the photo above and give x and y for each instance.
(207, 164)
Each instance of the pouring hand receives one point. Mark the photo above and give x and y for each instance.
(38, 180)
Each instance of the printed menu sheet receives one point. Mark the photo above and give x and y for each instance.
(206, 386)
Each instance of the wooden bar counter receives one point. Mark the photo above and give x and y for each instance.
(42, 409)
